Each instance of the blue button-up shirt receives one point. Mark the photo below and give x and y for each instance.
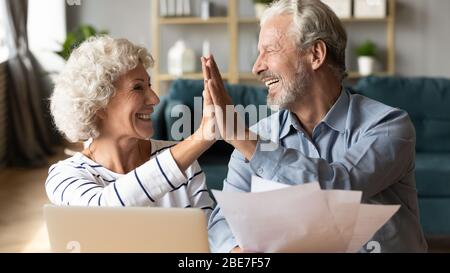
(360, 145)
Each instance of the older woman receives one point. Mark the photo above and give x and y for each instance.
(105, 94)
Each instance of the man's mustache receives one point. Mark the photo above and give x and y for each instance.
(267, 74)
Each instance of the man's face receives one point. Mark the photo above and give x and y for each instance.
(280, 65)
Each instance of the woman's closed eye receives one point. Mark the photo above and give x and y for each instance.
(140, 87)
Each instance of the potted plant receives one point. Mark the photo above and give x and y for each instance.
(366, 57)
(75, 38)
(261, 6)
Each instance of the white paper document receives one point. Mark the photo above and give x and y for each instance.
(276, 217)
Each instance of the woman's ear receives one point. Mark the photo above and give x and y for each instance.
(318, 54)
(101, 114)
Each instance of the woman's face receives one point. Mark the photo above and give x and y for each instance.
(128, 112)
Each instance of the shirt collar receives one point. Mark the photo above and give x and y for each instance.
(286, 122)
(335, 118)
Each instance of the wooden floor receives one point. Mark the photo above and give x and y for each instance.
(22, 195)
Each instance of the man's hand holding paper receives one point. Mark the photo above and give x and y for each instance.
(300, 218)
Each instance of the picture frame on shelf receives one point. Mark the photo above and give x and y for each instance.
(235, 23)
(342, 8)
(370, 8)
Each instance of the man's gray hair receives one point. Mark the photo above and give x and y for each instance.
(313, 21)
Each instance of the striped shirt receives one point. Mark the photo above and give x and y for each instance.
(79, 181)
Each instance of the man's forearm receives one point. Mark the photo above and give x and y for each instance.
(246, 145)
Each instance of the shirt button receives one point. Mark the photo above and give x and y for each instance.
(260, 171)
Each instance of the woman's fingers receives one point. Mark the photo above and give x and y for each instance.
(206, 94)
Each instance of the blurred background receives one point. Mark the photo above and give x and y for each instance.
(397, 53)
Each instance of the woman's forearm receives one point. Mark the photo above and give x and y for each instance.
(189, 150)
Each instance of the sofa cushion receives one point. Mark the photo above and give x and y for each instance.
(433, 174)
(215, 172)
(426, 100)
(158, 120)
(434, 215)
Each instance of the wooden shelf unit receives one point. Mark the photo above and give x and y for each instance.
(232, 21)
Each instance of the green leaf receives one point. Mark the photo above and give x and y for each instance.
(75, 38)
(266, 2)
(368, 48)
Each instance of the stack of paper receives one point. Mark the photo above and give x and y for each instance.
(276, 217)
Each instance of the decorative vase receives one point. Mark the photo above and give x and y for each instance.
(366, 65)
(181, 59)
(259, 9)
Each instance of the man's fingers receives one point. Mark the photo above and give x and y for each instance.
(205, 69)
(211, 91)
(214, 67)
(215, 97)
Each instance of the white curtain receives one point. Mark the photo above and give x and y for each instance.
(47, 31)
(5, 43)
(30, 135)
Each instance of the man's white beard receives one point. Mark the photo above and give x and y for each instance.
(291, 92)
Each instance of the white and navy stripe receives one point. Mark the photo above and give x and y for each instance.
(78, 181)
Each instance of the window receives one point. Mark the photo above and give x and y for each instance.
(4, 52)
(46, 33)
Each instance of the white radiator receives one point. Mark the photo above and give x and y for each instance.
(3, 114)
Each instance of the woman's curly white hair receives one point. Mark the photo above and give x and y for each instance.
(86, 83)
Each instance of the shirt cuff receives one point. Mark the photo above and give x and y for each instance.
(229, 245)
(266, 158)
(225, 245)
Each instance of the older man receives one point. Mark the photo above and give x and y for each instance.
(325, 133)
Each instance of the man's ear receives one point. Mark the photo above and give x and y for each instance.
(318, 54)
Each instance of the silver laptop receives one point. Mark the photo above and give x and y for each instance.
(150, 230)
